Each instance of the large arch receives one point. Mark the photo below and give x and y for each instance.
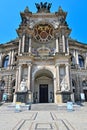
(43, 86)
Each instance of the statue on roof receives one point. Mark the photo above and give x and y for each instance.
(43, 7)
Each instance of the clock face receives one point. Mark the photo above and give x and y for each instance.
(43, 32)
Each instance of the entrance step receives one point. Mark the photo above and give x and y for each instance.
(44, 107)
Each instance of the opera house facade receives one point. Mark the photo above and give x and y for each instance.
(43, 65)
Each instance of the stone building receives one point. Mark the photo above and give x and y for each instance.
(43, 64)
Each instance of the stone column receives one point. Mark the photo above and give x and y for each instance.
(19, 49)
(19, 76)
(29, 76)
(23, 43)
(63, 39)
(29, 44)
(55, 89)
(77, 61)
(67, 76)
(57, 44)
(57, 77)
(74, 54)
(29, 99)
(9, 62)
(15, 98)
(67, 45)
(12, 59)
(16, 85)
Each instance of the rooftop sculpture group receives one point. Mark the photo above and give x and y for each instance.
(43, 7)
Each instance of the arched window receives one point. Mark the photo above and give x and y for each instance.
(81, 61)
(5, 61)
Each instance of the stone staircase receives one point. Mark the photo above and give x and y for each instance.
(40, 107)
(44, 107)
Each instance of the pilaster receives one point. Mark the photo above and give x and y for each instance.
(30, 44)
(19, 49)
(23, 43)
(67, 45)
(16, 86)
(29, 76)
(57, 44)
(9, 62)
(77, 61)
(12, 55)
(19, 78)
(67, 75)
(63, 39)
(57, 78)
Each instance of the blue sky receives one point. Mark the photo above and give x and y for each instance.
(10, 16)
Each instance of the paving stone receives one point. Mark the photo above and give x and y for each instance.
(59, 119)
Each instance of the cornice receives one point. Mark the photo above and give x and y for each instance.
(73, 43)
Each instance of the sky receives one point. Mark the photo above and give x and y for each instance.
(10, 17)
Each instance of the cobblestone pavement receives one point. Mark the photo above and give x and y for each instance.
(60, 119)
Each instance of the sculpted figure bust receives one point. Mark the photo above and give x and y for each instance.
(23, 86)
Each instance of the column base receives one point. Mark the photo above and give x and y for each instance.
(63, 97)
(59, 98)
(29, 97)
(21, 97)
(14, 98)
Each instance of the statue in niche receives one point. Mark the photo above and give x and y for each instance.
(23, 86)
(64, 86)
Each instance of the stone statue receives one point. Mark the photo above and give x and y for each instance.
(49, 6)
(43, 7)
(23, 86)
(37, 6)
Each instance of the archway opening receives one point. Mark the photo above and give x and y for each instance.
(43, 87)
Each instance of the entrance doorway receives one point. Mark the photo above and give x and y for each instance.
(43, 93)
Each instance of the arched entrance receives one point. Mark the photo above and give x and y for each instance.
(43, 87)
